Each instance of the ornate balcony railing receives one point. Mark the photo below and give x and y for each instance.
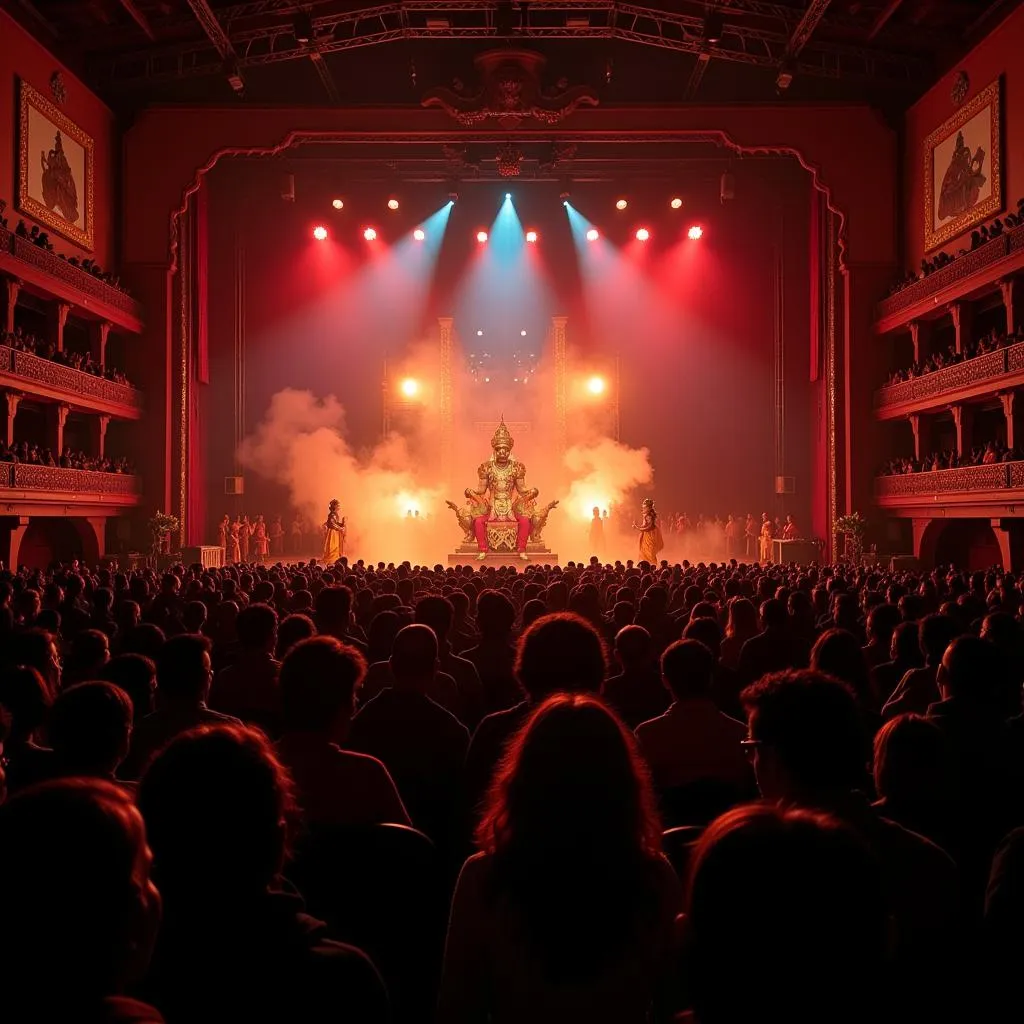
(993, 477)
(24, 476)
(67, 378)
(953, 378)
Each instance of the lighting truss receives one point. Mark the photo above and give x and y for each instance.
(261, 32)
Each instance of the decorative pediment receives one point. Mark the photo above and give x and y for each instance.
(511, 92)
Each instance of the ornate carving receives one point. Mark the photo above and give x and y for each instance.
(54, 478)
(510, 157)
(510, 92)
(1017, 474)
(1015, 357)
(6, 474)
(46, 371)
(5, 358)
(963, 478)
(58, 90)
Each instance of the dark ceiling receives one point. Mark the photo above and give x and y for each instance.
(340, 52)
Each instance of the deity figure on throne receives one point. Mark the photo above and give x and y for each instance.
(501, 511)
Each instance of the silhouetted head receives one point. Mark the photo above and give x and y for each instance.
(560, 652)
(687, 668)
(90, 726)
(414, 657)
(318, 683)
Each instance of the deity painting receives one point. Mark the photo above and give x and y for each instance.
(55, 158)
(962, 170)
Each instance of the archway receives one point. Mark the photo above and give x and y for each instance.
(48, 539)
(968, 543)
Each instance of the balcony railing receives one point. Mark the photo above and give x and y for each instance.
(57, 375)
(993, 477)
(25, 476)
(952, 378)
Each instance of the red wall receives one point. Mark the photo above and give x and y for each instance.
(998, 54)
(22, 57)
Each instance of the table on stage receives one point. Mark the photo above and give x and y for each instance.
(799, 551)
(208, 556)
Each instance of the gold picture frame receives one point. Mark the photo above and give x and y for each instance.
(963, 183)
(55, 169)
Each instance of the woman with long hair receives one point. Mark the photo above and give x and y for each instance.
(741, 625)
(567, 911)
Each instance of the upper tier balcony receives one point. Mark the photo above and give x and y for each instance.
(52, 490)
(988, 490)
(981, 376)
(85, 392)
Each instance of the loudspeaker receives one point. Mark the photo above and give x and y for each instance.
(234, 485)
(785, 485)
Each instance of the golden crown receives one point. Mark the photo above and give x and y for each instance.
(501, 436)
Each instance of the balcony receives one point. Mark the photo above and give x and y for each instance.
(47, 274)
(973, 378)
(30, 489)
(996, 489)
(23, 371)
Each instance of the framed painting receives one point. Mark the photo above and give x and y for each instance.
(962, 169)
(55, 168)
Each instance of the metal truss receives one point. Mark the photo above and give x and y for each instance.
(261, 32)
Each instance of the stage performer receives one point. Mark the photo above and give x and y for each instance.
(244, 536)
(767, 532)
(334, 540)
(259, 539)
(750, 532)
(790, 531)
(297, 529)
(222, 534)
(234, 546)
(651, 541)
(732, 529)
(596, 533)
(501, 477)
(276, 535)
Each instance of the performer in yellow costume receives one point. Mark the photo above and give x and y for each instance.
(334, 541)
(651, 541)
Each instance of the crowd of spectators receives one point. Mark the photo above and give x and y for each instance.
(581, 747)
(37, 455)
(979, 455)
(990, 342)
(24, 341)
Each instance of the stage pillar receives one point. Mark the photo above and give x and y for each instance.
(446, 404)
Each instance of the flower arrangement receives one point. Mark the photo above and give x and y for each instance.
(851, 528)
(160, 525)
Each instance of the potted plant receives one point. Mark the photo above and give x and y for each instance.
(161, 526)
(850, 528)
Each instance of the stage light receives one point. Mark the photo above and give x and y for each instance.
(676, 203)
(621, 204)
(392, 204)
(531, 236)
(419, 234)
(522, 334)
(481, 237)
(479, 334)
(338, 204)
(592, 235)
(320, 233)
(596, 385)
(410, 387)
(695, 233)
(508, 195)
(370, 234)
(642, 234)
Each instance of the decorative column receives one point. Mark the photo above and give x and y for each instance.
(561, 381)
(921, 426)
(100, 424)
(920, 337)
(1010, 297)
(100, 334)
(1010, 412)
(13, 290)
(446, 406)
(61, 310)
(963, 418)
(963, 318)
(12, 411)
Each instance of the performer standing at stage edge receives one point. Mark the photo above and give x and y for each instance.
(651, 541)
(334, 540)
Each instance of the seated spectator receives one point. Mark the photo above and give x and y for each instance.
(904, 655)
(90, 652)
(135, 675)
(557, 652)
(421, 744)
(25, 702)
(218, 809)
(334, 617)
(319, 680)
(773, 649)
(636, 693)
(693, 745)
(838, 653)
(439, 614)
(741, 626)
(247, 688)
(90, 727)
(495, 654)
(79, 924)
(919, 687)
(567, 912)
(291, 630)
(193, 617)
(881, 621)
(36, 648)
(182, 685)
(818, 896)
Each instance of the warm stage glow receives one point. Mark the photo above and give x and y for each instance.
(531, 236)
(587, 505)
(642, 234)
(410, 387)
(419, 234)
(592, 235)
(392, 204)
(370, 234)
(676, 203)
(338, 204)
(596, 385)
(481, 237)
(695, 233)
(621, 204)
(320, 233)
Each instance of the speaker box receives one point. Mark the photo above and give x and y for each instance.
(234, 485)
(785, 485)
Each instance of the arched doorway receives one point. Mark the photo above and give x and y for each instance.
(49, 539)
(968, 543)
